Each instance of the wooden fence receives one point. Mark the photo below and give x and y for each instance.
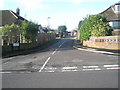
(42, 39)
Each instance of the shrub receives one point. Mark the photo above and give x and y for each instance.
(29, 31)
(94, 25)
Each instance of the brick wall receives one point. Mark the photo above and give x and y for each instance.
(106, 42)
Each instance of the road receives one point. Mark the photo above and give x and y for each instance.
(61, 66)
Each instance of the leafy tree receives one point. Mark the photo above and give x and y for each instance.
(11, 31)
(94, 25)
(29, 31)
(80, 24)
(62, 30)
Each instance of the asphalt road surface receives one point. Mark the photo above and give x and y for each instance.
(61, 66)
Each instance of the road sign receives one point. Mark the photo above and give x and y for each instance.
(16, 44)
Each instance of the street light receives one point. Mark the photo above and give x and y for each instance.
(48, 22)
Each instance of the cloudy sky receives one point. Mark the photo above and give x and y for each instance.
(61, 12)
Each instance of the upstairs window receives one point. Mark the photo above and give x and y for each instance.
(117, 8)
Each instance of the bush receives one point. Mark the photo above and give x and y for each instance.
(11, 31)
(94, 25)
(29, 31)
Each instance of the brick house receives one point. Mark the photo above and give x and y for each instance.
(112, 14)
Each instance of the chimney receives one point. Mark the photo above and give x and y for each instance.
(18, 11)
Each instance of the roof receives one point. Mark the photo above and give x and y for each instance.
(118, 3)
(9, 17)
(110, 14)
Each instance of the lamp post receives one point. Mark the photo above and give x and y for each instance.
(48, 22)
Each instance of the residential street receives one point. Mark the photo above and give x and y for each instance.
(61, 66)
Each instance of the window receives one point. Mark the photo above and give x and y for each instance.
(117, 8)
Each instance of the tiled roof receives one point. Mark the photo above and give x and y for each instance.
(9, 17)
(110, 14)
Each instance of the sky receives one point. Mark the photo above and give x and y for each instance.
(60, 12)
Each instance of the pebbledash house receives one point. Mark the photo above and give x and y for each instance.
(112, 14)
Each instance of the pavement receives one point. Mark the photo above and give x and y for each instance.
(77, 45)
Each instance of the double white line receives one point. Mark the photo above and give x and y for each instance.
(112, 66)
(90, 68)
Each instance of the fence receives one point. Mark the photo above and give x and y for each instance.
(106, 42)
(42, 39)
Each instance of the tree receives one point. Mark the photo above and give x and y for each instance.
(62, 30)
(11, 32)
(94, 25)
(29, 31)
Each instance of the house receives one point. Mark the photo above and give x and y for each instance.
(74, 33)
(9, 17)
(44, 29)
(112, 14)
(40, 30)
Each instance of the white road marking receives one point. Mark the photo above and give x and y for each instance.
(111, 65)
(113, 68)
(24, 72)
(96, 69)
(69, 68)
(50, 68)
(5, 72)
(44, 64)
(90, 66)
(54, 52)
(77, 60)
(61, 44)
(50, 71)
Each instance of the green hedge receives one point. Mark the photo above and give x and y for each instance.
(94, 25)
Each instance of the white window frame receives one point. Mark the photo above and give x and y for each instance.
(117, 8)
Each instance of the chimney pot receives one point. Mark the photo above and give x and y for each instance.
(18, 11)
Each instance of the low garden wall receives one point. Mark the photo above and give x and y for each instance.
(105, 42)
(42, 39)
